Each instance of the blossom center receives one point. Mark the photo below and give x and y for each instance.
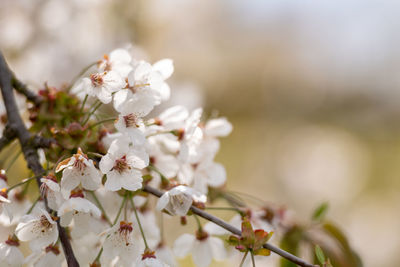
(44, 222)
(130, 120)
(97, 79)
(125, 229)
(201, 235)
(79, 164)
(121, 165)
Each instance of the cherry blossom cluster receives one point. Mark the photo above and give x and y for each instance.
(98, 195)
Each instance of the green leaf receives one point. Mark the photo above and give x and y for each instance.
(247, 229)
(233, 240)
(320, 212)
(320, 254)
(290, 242)
(262, 252)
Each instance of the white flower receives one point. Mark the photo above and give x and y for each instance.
(148, 259)
(178, 200)
(4, 206)
(79, 209)
(120, 242)
(10, 254)
(78, 169)
(220, 127)
(203, 248)
(149, 226)
(119, 61)
(102, 85)
(52, 191)
(165, 254)
(122, 165)
(40, 230)
(208, 173)
(145, 88)
(190, 136)
(50, 256)
(3, 179)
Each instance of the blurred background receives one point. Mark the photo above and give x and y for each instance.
(311, 88)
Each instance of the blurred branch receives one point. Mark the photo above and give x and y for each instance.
(235, 230)
(23, 89)
(8, 136)
(17, 126)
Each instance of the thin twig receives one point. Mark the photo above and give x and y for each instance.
(8, 136)
(234, 230)
(23, 89)
(29, 150)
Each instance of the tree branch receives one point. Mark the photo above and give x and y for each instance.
(17, 126)
(23, 89)
(8, 136)
(234, 230)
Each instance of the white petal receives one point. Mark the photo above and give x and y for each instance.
(218, 127)
(163, 201)
(165, 67)
(217, 248)
(183, 245)
(216, 175)
(202, 254)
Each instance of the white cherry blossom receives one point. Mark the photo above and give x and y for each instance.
(79, 209)
(52, 191)
(118, 60)
(102, 85)
(10, 254)
(204, 248)
(78, 169)
(40, 230)
(122, 164)
(120, 242)
(178, 200)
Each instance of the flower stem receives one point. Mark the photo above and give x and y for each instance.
(98, 255)
(140, 225)
(83, 103)
(198, 222)
(21, 183)
(102, 121)
(13, 160)
(92, 112)
(33, 205)
(120, 208)
(79, 75)
(244, 257)
(252, 259)
(100, 207)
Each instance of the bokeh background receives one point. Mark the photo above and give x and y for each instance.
(312, 89)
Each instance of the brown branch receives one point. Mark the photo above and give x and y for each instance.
(8, 136)
(234, 230)
(28, 147)
(23, 89)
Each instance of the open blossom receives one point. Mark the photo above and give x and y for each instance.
(52, 191)
(122, 164)
(178, 200)
(78, 169)
(203, 248)
(120, 242)
(102, 85)
(190, 136)
(50, 256)
(79, 209)
(118, 60)
(149, 259)
(10, 254)
(4, 202)
(40, 230)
